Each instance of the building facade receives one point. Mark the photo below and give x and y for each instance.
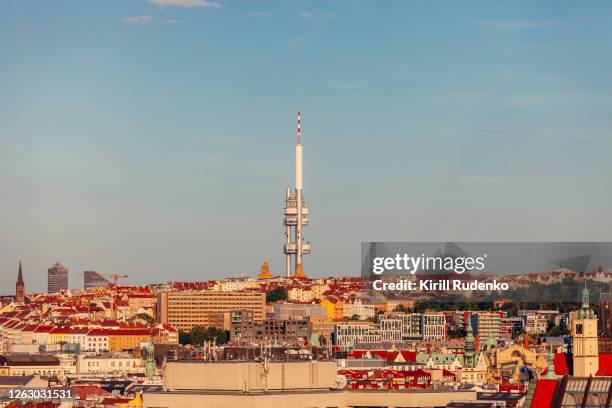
(57, 278)
(92, 280)
(245, 328)
(185, 309)
(487, 325)
(434, 326)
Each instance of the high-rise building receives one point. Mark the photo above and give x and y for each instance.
(57, 278)
(186, 309)
(20, 287)
(92, 279)
(487, 325)
(585, 350)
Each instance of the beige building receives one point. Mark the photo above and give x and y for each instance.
(141, 303)
(487, 325)
(186, 309)
(44, 365)
(109, 364)
(306, 384)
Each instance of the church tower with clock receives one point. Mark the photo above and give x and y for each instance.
(584, 339)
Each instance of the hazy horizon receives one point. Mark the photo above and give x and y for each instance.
(157, 141)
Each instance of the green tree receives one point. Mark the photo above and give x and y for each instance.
(184, 337)
(198, 335)
(276, 294)
(219, 336)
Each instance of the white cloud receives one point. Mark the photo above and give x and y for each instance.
(257, 14)
(305, 14)
(170, 21)
(137, 19)
(308, 14)
(186, 3)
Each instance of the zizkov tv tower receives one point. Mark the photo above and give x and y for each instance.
(296, 217)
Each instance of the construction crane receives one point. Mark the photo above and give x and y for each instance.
(115, 277)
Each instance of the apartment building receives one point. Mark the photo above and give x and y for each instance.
(536, 321)
(349, 334)
(185, 309)
(486, 325)
(536, 324)
(244, 327)
(284, 311)
(115, 363)
(390, 328)
(412, 325)
(434, 326)
(41, 364)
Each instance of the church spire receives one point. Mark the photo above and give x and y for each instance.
(20, 275)
(469, 352)
(20, 287)
(585, 296)
(469, 338)
(585, 312)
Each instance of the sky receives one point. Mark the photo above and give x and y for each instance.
(155, 138)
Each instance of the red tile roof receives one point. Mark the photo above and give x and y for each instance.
(543, 394)
(84, 391)
(560, 363)
(605, 364)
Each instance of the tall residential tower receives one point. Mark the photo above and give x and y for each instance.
(296, 216)
(57, 278)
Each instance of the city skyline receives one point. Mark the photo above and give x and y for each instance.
(151, 139)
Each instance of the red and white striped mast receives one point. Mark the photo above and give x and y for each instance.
(298, 194)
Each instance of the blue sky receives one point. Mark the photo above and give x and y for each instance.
(155, 138)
